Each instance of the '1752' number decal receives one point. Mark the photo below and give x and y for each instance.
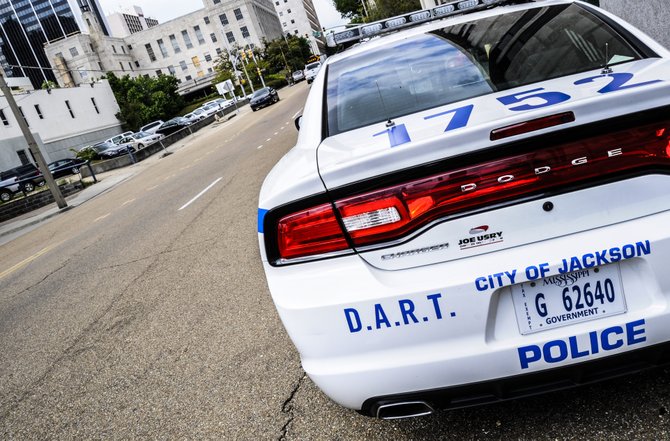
(518, 102)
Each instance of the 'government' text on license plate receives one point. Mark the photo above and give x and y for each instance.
(568, 298)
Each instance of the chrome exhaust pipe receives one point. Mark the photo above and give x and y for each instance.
(404, 409)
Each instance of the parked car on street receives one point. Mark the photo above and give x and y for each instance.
(477, 208)
(263, 97)
(18, 179)
(311, 70)
(65, 167)
(116, 139)
(97, 150)
(151, 127)
(173, 125)
(298, 76)
(140, 140)
(195, 116)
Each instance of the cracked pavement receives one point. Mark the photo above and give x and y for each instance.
(140, 321)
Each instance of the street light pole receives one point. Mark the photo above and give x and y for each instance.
(32, 144)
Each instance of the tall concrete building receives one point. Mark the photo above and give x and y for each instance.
(129, 21)
(27, 25)
(186, 47)
(298, 17)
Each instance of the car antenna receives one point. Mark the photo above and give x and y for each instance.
(606, 68)
(389, 122)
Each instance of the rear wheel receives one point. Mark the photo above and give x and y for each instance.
(140, 146)
(5, 195)
(42, 183)
(28, 187)
(75, 170)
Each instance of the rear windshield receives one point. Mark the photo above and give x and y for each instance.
(468, 60)
(312, 66)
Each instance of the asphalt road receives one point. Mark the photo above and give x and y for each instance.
(144, 313)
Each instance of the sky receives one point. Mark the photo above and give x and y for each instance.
(159, 9)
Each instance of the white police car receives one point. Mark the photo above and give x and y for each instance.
(477, 208)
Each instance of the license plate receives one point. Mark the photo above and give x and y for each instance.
(566, 299)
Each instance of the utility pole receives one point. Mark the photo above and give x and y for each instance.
(32, 144)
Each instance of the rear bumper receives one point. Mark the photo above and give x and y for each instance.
(520, 386)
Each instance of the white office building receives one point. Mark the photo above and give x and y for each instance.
(60, 120)
(186, 47)
(298, 17)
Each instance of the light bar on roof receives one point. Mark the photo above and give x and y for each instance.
(410, 19)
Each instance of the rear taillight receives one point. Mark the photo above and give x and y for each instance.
(394, 212)
(309, 232)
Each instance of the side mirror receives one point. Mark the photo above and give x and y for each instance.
(297, 122)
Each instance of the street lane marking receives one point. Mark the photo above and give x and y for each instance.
(200, 194)
(276, 133)
(268, 140)
(101, 217)
(259, 147)
(296, 114)
(128, 201)
(283, 127)
(28, 260)
(151, 188)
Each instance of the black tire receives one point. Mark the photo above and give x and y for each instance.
(28, 187)
(140, 146)
(253, 110)
(75, 170)
(5, 195)
(42, 183)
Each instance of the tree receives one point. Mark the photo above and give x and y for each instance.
(389, 8)
(287, 54)
(145, 99)
(377, 10)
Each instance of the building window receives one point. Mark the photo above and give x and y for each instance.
(161, 46)
(216, 2)
(69, 109)
(208, 57)
(288, 10)
(172, 70)
(74, 52)
(137, 63)
(206, 20)
(296, 32)
(90, 44)
(213, 37)
(196, 61)
(292, 21)
(39, 112)
(277, 3)
(238, 14)
(159, 73)
(95, 105)
(198, 35)
(130, 48)
(113, 48)
(245, 32)
(150, 52)
(183, 65)
(187, 39)
(122, 68)
(3, 118)
(209, 70)
(224, 19)
(218, 51)
(23, 116)
(123, 49)
(230, 37)
(130, 65)
(102, 68)
(175, 45)
(188, 78)
(281, 13)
